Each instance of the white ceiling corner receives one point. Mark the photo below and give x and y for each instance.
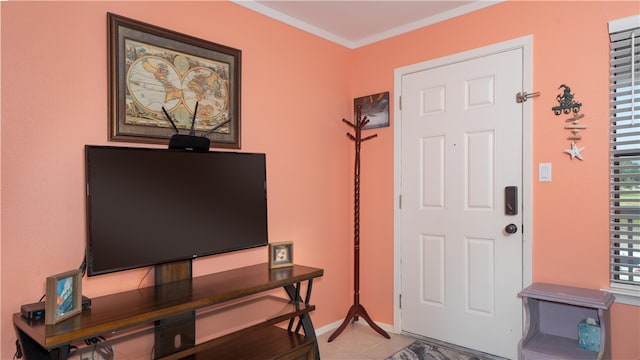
(361, 22)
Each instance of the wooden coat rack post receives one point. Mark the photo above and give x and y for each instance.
(357, 309)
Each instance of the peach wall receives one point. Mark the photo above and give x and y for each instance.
(295, 90)
(1, 317)
(54, 82)
(570, 214)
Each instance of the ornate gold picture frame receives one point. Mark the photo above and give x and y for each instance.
(156, 74)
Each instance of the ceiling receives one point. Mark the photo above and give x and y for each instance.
(357, 23)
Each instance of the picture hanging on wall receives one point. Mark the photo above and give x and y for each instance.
(159, 76)
(375, 107)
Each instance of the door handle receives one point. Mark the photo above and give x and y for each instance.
(511, 229)
(511, 200)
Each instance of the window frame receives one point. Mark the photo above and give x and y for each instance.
(623, 283)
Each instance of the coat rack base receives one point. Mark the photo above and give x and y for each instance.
(356, 311)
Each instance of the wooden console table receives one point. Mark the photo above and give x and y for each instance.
(238, 318)
(553, 314)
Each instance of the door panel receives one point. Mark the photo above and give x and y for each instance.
(461, 145)
(433, 271)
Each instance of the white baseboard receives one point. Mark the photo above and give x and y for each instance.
(330, 327)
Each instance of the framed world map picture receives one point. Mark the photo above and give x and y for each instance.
(159, 78)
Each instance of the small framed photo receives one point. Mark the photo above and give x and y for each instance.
(64, 296)
(375, 107)
(280, 255)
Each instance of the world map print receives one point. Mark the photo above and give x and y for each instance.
(157, 78)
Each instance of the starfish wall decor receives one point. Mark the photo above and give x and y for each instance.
(575, 151)
(567, 105)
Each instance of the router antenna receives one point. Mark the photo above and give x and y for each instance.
(193, 121)
(171, 121)
(217, 127)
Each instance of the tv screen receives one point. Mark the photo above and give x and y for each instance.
(154, 206)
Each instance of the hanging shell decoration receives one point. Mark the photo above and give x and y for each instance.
(567, 105)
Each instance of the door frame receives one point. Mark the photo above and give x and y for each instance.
(526, 44)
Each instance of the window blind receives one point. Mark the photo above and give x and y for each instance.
(625, 150)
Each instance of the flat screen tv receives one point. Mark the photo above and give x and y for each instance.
(153, 206)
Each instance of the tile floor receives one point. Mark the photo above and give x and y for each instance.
(360, 342)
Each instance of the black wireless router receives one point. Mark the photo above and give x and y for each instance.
(189, 142)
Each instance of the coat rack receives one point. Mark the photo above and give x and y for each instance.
(357, 309)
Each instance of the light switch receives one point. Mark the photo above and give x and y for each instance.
(544, 172)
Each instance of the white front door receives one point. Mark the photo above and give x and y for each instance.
(461, 146)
